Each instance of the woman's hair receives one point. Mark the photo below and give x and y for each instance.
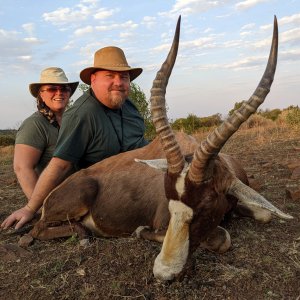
(46, 111)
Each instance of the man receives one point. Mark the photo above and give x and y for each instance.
(101, 123)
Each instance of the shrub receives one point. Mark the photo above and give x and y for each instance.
(292, 116)
(270, 114)
(7, 140)
(214, 120)
(256, 120)
(188, 125)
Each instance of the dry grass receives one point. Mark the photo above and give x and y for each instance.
(259, 134)
(263, 262)
(6, 154)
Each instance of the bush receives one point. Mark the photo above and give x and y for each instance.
(193, 124)
(7, 140)
(292, 116)
(188, 125)
(211, 121)
(270, 114)
(256, 120)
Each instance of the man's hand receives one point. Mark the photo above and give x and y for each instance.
(18, 217)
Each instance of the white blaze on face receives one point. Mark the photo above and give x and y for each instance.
(180, 183)
(175, 249)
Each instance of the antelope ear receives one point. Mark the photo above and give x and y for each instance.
(160, 164)
(250, 198)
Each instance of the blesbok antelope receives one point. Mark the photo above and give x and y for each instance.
(180, 200)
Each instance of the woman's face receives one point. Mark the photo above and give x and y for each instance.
(55, 96)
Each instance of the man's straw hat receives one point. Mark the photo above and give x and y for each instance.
(112, 59)
(52, 75)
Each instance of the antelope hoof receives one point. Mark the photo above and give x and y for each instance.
(164, 272)
(218, 241)
(140, 229)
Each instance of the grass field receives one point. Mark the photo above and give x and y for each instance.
(263, 262)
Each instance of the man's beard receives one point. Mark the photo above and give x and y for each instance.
(117, 100)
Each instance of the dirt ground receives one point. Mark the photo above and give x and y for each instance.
(263, 262)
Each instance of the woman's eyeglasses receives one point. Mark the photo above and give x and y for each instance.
(54, 89)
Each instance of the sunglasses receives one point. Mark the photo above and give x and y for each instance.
(54, 89)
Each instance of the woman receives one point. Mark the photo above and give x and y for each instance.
(36, 138)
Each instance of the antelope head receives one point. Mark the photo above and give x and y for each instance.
(200, 187)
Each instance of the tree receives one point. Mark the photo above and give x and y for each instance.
(237, 105)
(179, 124)
(138, 97)
(83, 87)
(192, 123)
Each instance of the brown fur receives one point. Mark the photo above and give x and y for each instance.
(209, 202)
(121, 194)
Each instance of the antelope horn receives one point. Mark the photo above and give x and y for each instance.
(171, 147)
(203, 160)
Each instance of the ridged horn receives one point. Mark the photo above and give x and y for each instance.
(203, 160)
(171, 147)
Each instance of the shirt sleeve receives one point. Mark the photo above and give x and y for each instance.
(32, 133)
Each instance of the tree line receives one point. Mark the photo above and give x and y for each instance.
(191, 124)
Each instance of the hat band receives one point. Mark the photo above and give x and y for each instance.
(111, 66)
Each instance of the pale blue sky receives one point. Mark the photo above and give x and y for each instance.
(222, 55)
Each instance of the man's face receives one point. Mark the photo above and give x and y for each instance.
(111, 87)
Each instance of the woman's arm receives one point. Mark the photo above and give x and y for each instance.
(25, 160)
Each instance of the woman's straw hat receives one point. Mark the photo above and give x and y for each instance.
(52, 75)
(112, 59)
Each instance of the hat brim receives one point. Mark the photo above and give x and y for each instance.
(35, 87)
(85, 74)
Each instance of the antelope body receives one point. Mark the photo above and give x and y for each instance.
(174, 190)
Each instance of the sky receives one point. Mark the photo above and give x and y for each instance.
(223, 51)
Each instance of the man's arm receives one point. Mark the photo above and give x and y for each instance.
(56, 171)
